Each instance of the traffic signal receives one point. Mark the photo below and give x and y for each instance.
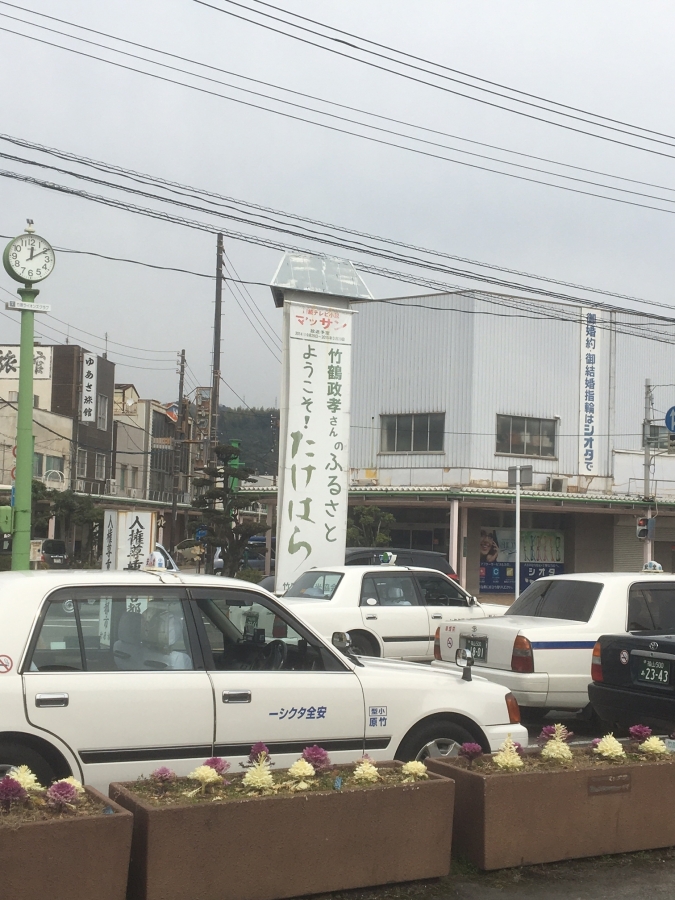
(645, 529)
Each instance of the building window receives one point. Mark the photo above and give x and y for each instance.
(134, 477)
(421, 433)
(13, 396)
(658, 437)
(123, 477)
(38, 465)
(518, 436)
(99, 472)
(54, 464)
(81, 463)
(102, 413)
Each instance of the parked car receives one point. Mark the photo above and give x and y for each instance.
(254, 558)
(541, 648)
(371, 556)
(634, 674)
(387, 611)
(53, 554)
(106, 675)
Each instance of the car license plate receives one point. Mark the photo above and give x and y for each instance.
(477, 647)
(57, 562)
(654, 671)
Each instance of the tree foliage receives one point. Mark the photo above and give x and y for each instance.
(221, 504)
(369, 526)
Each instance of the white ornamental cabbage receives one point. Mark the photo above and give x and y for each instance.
(301, 769)
(508, 757)
(26, 778)
(653, 746)
(556, 750)
(258, 777)
(414, 770)
(610, 748)
(366, 773)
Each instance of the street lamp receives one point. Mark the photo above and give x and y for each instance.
(28, 258)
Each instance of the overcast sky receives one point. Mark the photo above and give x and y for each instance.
(614, 58)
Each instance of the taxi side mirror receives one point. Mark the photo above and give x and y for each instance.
(464, 659)
(341, 641)
(473, 601)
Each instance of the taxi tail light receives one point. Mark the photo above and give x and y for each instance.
(42, 558)
(279, 628)
(521, 657)
(596, 663)
(513, 709)
(437, 644)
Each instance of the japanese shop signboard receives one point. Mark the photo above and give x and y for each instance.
(89, 372)
(314, 444)
(9, 362)
(590, 391)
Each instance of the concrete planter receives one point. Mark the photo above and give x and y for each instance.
(265, 848)
(526, 818)
(73, 858)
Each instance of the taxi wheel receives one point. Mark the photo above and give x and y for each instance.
(363, 645)
(437, 739)
(12, 754)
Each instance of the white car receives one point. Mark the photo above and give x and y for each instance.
(541, 649)
(390, 611)
(109, 675)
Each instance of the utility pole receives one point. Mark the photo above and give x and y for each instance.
(215, 388)
(517, 572)
(177, 452)
(647, 549)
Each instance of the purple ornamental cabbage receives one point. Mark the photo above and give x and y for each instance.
(257, 750)
(11, 792)
(548, 733)
(470, 752)
(220, 765)
(519, 748)
(317, 757)
(62, 794)
(639, 733)
(595, 742)
(163, 775)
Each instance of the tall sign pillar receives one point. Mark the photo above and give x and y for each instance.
(313, 483)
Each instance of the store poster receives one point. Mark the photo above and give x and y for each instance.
(542, 554)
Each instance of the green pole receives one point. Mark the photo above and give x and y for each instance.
(24, 439)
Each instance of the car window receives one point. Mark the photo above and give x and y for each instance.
(365, 559)
(315, 585)
(245, 631)
(120, 631)
(438, 591)
(54, 548)
(574, 600)
(651, 607)
(389, 590)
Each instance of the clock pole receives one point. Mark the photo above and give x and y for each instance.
(23, 490)
(27, 269)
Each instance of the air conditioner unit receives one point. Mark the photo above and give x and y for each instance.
(80, 485)
(133, 492)
(111, 486)
(557, 484)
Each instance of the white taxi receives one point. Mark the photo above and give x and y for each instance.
(542, 647)
(390, 611)
(108, 675)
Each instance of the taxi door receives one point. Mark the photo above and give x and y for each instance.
(113, 674)
(391, 607)
(274, 681)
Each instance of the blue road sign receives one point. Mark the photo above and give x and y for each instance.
(201, 533)
(670, 420)
(11, 497)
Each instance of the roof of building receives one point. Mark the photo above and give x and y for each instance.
(317, 274)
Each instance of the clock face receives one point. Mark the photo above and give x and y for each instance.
(28, 258)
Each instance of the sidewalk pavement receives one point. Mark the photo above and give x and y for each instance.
(632, 876)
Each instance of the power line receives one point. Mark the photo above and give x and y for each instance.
(439, 87)
(318, 99)
(457, 71)
(370, 138)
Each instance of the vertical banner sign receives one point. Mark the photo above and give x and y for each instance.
(592, 337)
(109, 558)
(314, 463)
(135, 539)
(88, 408)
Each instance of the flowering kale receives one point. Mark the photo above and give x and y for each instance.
(555, 733)
(220, 765)
(639, 733)
(163, 775)
(470, 752)
(61, 794)
(595, 742)
(519, 748)
(11, 792)
(317, 757)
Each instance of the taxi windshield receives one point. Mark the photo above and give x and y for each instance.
(573, 600)
(315, 585)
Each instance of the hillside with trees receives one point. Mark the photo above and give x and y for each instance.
(258, 431)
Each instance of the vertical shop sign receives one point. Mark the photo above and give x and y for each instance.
(88, 406)
(109, 557)
(589, 391)
(314, 463)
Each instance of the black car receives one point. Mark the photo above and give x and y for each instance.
(425, 559)
(634, 679)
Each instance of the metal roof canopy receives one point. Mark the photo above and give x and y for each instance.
(318, 275)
